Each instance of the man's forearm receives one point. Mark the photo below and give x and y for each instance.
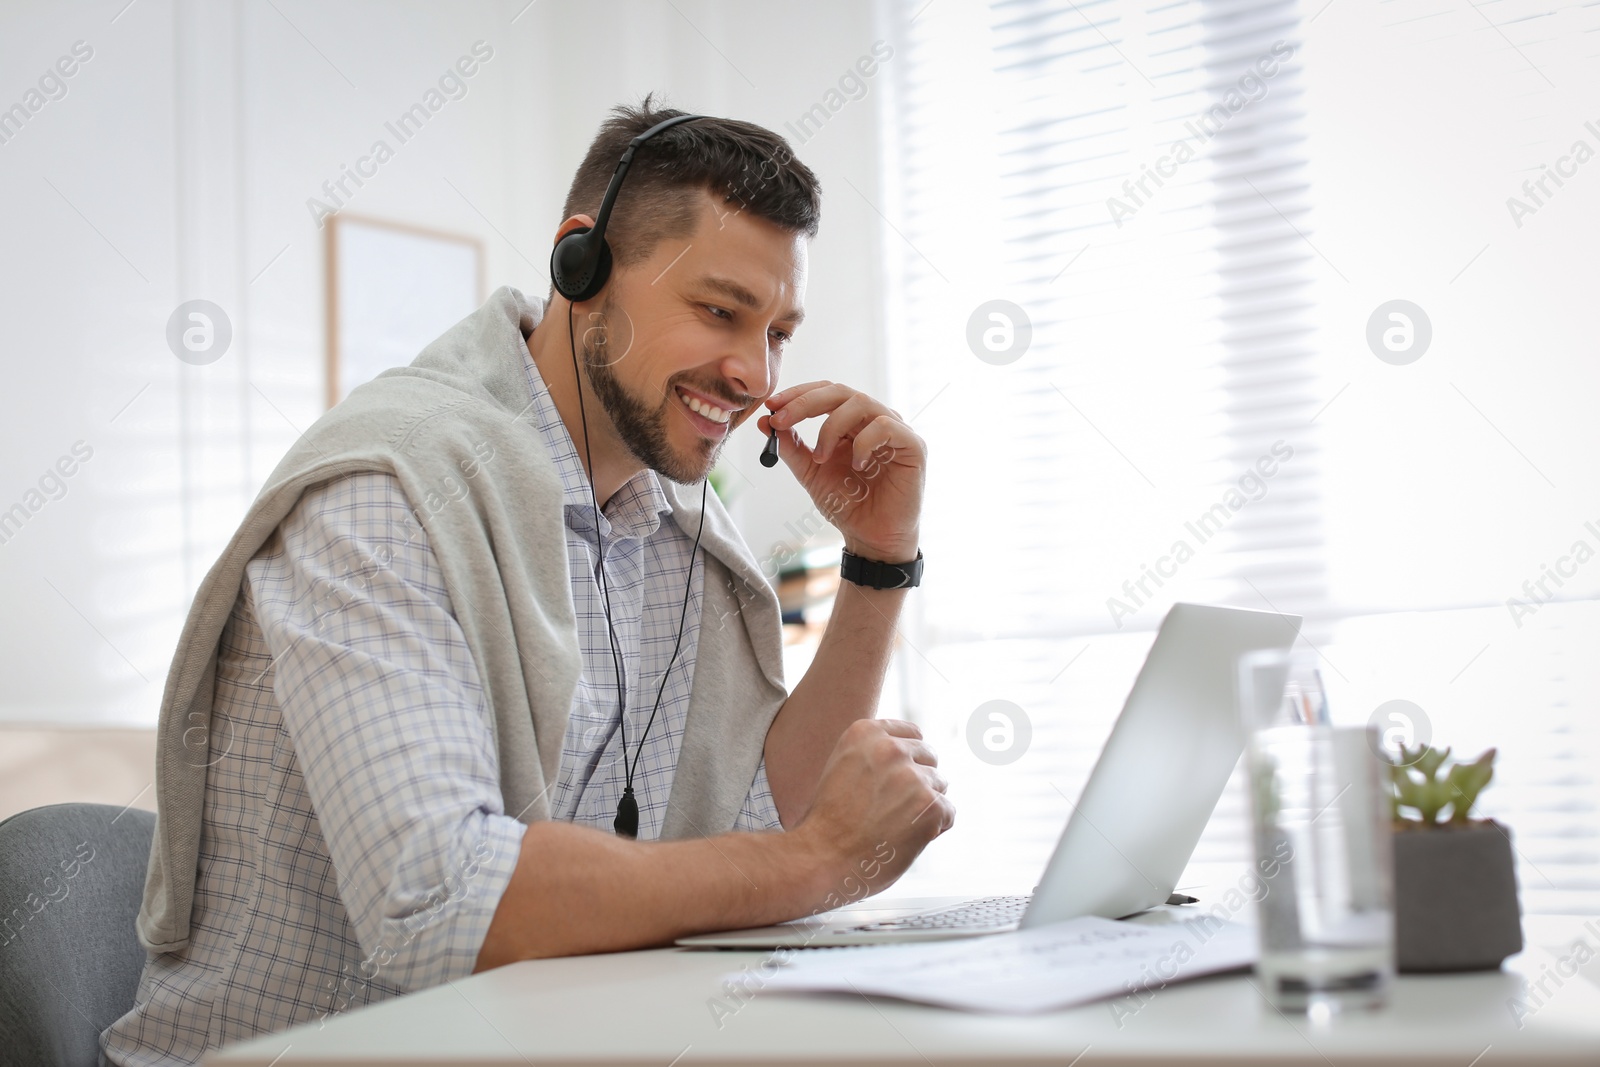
(577, 890)
(842, 685)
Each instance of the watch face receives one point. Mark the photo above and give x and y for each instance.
(875, 575)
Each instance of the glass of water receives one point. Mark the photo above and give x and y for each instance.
(1321, 834)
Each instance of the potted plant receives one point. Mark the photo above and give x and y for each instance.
(1454, 884)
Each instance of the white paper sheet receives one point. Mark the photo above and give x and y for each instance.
(1029, 970)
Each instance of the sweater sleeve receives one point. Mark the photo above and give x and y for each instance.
(760, 811)
(386, 711)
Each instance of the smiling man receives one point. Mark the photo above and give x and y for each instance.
(485, 606)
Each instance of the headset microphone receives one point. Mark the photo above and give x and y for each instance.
(769, 455)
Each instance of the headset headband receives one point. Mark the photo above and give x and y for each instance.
(581, 261)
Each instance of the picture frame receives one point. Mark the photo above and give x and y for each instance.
(391, 288)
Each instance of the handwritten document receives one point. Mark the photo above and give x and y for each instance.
(1031, 970)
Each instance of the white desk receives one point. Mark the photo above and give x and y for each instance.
(651, 1008)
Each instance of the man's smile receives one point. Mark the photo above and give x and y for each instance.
(711, 417)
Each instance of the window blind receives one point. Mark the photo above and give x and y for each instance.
(1129, 185)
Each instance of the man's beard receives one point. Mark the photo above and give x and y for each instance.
(643, 429)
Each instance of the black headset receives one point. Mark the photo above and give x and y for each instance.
(581, 262)
(579, 268)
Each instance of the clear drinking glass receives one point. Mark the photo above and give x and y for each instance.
(1321, 836)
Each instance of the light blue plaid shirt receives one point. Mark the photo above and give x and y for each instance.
(354, 844)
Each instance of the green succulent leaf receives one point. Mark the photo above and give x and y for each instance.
(1424, 781)
(1467, 780)
(1431, 760)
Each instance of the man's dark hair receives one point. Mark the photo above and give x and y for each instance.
(751, 168)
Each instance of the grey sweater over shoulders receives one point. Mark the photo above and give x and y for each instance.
(452, 427)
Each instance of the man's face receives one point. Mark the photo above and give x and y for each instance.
(683, 346)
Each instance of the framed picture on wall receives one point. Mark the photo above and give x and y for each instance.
(392, 288)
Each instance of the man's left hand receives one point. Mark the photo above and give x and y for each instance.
(865, 473)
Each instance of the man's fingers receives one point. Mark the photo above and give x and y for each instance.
(818, 400)
(885, 439)
(921, 752)
(899, 728)
(939, 813)
(783, 396)
(845, 421)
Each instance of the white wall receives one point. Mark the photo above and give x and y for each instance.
(178, 164)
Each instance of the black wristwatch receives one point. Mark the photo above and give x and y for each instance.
(877, 575)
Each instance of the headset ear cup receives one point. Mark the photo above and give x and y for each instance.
(567, 263)
(576, 270)
(602, 271)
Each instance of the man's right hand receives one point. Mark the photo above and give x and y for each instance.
(881, 785)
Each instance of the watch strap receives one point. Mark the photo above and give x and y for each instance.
(874, 574)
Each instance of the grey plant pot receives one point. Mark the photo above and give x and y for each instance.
(1455, 895)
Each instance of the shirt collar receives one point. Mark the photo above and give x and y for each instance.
(634, 511)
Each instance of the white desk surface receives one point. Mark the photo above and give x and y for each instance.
(651, 1008)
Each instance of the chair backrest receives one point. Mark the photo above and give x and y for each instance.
(71, 878)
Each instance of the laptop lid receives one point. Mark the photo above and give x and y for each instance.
(1162, 770)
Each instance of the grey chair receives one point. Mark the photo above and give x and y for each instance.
(71, 877)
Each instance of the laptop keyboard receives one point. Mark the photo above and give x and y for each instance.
(984, 912)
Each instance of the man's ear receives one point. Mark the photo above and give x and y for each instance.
(572, 224)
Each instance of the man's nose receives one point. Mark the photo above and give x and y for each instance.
(749, 370)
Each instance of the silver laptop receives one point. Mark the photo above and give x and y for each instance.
(1141, 814)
